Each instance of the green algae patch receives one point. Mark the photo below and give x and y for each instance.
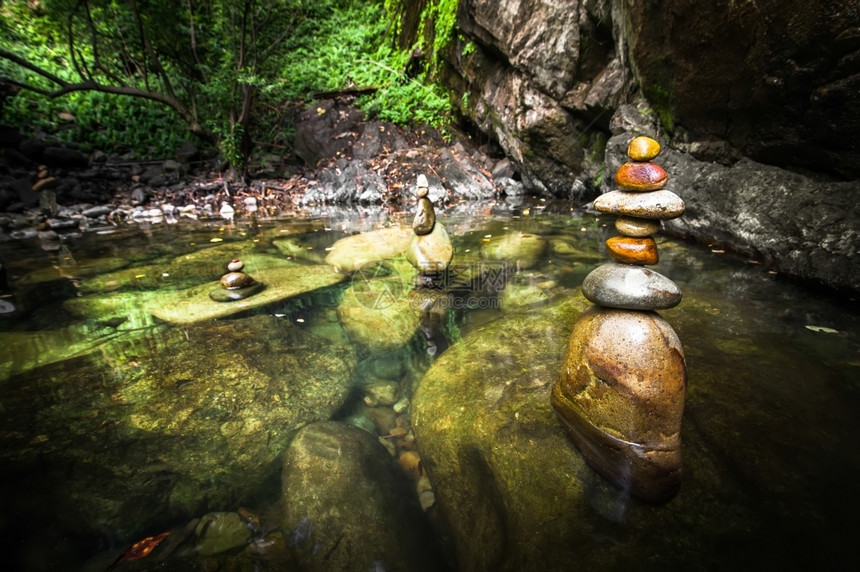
(194, 305)
(183, 272)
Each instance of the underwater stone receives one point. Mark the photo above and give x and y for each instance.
(235, 265)
(643, 148)
(635, 226)
(522, 249)
(221, 531)
(661, 205)
(620, 396)
(630, 287)
(348, 506)
(633, 250)
(641, 177)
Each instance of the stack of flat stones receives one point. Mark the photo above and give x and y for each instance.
(620, 394)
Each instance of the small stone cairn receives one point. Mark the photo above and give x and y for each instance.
(430, 250)
(235, 285)
(620, 394)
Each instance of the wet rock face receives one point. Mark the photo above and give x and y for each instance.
(775, 82)
(766, 78)
(540, 73)
(621, 398)
(778, 76)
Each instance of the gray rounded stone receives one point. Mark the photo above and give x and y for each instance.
(630, 287)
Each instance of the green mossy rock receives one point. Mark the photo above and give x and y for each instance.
(219, 532)
(353, 252)
(520, 249)
(376, 311)
(347, 506)
(72, 270)
(508, 484)
(182, 272)
(158, 424)
(195, 305)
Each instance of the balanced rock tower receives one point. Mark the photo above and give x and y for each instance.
(430, 251)
(621, 390)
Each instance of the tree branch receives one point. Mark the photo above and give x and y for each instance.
(89, 84)
(32, 67)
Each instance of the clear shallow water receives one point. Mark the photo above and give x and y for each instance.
(773, 378)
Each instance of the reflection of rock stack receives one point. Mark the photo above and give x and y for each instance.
(430, 250)
(621, 389)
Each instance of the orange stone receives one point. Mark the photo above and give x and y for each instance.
(643, 148)
(632, 250)
(641, 177)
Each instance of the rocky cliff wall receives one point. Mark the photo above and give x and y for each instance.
(775, 83)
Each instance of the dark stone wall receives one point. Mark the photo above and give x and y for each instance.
(777, 79)
(770, 85)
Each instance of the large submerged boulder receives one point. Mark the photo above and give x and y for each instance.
(348, 506)
(162, 423)
(513, 493)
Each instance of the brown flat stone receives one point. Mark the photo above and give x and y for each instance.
(635, 226)
(633, 250)
(641, 177)
(643, 148)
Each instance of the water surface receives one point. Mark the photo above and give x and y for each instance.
(98, 410)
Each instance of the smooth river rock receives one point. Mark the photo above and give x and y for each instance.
(425, 216)
(351, 253)
(621, 397)
(641, 176)
(630, 287)
(348, 506)
(633, 250)
(643, 148)
(194, 304)
(635, 226)
(431, 253)
(661, 205)
(521, 249)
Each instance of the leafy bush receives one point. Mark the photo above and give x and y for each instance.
(227, 71)
(349, 46)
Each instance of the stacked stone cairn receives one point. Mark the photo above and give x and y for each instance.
(620, 394)
(235, 285)
(430, 250)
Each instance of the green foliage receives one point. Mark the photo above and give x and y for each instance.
(347, 47)
(231, 145)
(661, 100)
(221, 69)
(469, 48)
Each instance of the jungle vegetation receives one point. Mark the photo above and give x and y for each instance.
(141, 75)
